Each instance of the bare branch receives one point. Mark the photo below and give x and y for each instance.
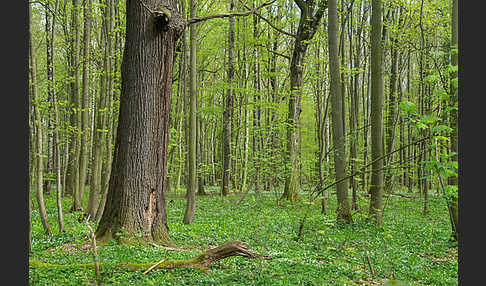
(268, 22)
(226, 15)
(279, 54)
(156, 264)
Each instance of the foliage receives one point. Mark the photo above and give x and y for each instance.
(410, 247)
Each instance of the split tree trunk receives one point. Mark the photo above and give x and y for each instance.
(136, 194)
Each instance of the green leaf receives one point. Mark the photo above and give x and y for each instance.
(408, 106)
(429, 119)
(441, 128)
(421, 125)
(431, 78)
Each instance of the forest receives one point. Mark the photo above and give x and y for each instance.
(237, 142)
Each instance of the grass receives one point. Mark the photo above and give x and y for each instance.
(409, 247)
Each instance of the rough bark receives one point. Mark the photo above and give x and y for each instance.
(136, 194)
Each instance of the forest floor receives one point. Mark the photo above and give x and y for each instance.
(410, 247)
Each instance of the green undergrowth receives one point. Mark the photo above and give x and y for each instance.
(409, 247)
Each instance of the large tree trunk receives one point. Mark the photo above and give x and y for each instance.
(136, 194)
(343, 209)
(377, 174)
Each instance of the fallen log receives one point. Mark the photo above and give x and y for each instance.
(202, 261)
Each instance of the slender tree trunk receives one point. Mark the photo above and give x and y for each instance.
(50, 24)
(228, 107)
(256, 108)
(200, 149)
(310, 17)
(106, 172)
(343, 208)
(83, 159)
(320, 132)
(72, 178)
(423, 146)
(39, 149)
(54, 109)
(101, 116)
(192, 167)
(247, 124)
(377, 174)
(353, 115)
(392, 109)
(452, 180)
(110, 116)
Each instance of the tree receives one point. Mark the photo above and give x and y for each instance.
(136, 195)
(102, 112)
(311, 14)
(343, 208)
(377, 174)
(39, 141)
(192, 167)
(228, 106)
(72, 184)
(452, 180)
(83, 161)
